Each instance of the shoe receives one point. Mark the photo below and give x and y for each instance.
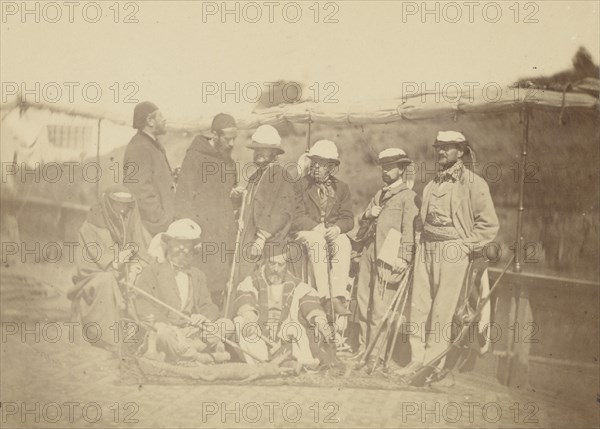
(442, 378)
(336, 368)
(357, 356)
(372, 363)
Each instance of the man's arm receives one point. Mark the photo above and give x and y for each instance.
(345, 219)
(410, 213)
(278, 196)
(203, 302)
(147, 309)
(486, 221)
(302, 221)
(186, 188)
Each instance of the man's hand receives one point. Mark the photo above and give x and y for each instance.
(326, 328)
(373, 212)
(250, 316)
(122, 257)
(197, 319)
(237, 192)
(252, 330)
(257, 247)
(332, 233)
(400, 265)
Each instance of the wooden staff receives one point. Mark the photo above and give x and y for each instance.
(371, 345)
(189, 319)
(235, 255)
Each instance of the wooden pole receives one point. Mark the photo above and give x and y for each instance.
(189, 319)
(519, 236)
(98, 159)
(308, 134)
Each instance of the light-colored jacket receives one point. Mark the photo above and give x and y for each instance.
(473, 212)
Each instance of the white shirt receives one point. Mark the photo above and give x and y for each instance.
(183, 284)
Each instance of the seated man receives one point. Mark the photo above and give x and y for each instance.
(182, 287)
(112, 240)
(323, 217)
(275, 309)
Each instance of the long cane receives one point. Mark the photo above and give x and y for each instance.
(327, 250)
(371, 345)
(386, 336)
(235, 255)
(397, 324)
(189, 319)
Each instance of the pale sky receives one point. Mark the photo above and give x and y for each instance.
(368, 54)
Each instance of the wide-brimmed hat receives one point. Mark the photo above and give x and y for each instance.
(449, 137)
(266, 137)
(393, 155)
(324, 150)
(183, 229)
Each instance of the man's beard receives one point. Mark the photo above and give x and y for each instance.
(225, 150)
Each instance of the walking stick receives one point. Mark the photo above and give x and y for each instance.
(397, 324)
(330, 285)
(423, 375)
(235, 255)
(386, 336)
(189, 319)
(371, 345)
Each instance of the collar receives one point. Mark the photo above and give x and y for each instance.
(451, 174)
(393, 185)
(178, 268)
(149, 135)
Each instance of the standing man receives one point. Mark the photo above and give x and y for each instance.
(393, 207)
(204, 194)
(269, 202)
(147, 173)
(323, 217)
(459, 219)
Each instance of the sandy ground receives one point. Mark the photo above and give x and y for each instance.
(48, 381)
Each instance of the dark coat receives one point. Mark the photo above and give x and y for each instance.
(148, 176)
(203, 195)
(158, 279)
(269, 207)
(308, 210)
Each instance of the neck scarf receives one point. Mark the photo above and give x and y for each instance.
(451, 174)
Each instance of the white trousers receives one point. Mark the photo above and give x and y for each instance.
(320, 253)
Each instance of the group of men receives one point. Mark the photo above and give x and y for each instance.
(226, 252)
